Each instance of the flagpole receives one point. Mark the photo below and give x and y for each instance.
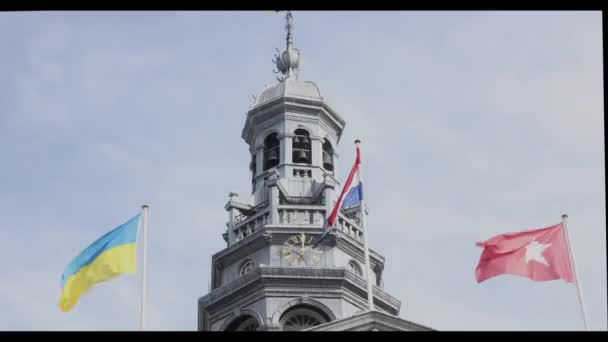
(368, 273)
(576, 281)
(143, 273)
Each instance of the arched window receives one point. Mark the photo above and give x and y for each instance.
(379, 277)
(301, 148)
(244, 323)
(253, 168)
(272, 149)
(354, 267)
(302, 317)
(328, 156)
(247, 266)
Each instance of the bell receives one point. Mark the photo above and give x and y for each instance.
(327, 162)
(301, 157)
(273, 157)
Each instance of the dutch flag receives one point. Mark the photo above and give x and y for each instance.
(354, 195)
(351, 195)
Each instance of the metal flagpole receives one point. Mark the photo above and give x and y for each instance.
(576, 281)
(143, 273)
(368, 273)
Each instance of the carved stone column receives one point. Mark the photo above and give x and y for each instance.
(330, 183)
(286, 140)
(259, 181)
(232, 213)
(317, 151)
(273, 195)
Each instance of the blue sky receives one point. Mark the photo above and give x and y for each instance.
(473, 124)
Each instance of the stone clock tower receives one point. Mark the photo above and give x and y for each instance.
(268, 277)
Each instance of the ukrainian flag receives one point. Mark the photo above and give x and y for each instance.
(109, 256)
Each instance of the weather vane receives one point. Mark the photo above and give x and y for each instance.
(289, 63)
(288, 26)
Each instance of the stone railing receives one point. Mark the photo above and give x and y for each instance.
(347, 226)
(295, 215)
(246, 214)
(250, 225)
(301, 215)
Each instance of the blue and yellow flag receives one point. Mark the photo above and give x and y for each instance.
(109, 256)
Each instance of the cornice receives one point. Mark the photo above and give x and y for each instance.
(294, 105)
(240, 249)
(354, 248)
(369, 319)
(238, 205)
(307, 279)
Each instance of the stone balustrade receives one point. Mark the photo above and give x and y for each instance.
(301, 215)
(246, 227)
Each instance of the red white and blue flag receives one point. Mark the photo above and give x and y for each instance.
(351, 196)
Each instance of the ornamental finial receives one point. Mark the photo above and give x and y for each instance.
(288, 61)
(288, 28)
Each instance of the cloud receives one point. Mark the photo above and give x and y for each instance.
(473, 124)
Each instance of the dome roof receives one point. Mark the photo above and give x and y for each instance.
(290, 87)
(288, 63)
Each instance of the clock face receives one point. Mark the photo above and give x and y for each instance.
(298, 251)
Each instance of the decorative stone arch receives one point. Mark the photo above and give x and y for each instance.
(259, 140)
(333, 141)
(240, 313)
(327, 153)
(310, 130)
(272, 149)
(281, 309)
(247, 265)
(301, 145)
(355, 267)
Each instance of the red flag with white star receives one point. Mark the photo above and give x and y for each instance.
(540, 255)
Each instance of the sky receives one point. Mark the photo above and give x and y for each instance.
(473, 124)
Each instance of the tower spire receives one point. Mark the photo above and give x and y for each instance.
(288, 61)
(289, 28)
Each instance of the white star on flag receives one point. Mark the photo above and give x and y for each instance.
(534, 251)
(546, 246)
